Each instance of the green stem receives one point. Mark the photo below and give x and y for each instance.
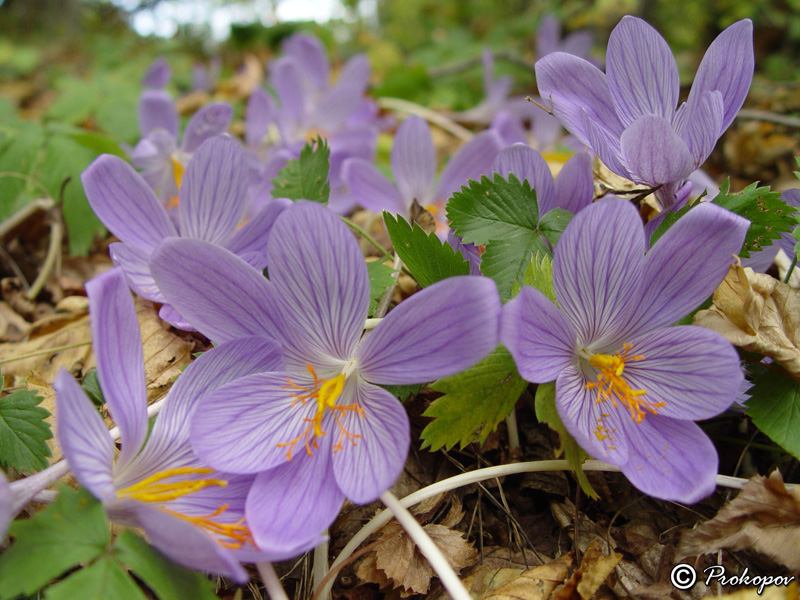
(366, 236)
(789, 271)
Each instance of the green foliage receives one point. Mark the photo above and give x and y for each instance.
(91, 385)
(403, 392)
(774, 406)
(769, 216)
(381, 277)
(503, 216)
(474, 402)
(539, 275)
(23, 432)
(405, 81)
(306, 178)
(424, 255)
(546, 412)
(74, 532)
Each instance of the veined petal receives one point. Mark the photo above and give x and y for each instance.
(670, 459)
(597, 268)
(83, 438)
(695, 371)
(687, 264)
(703, 125)
(355, 74)
(728, 67)
(653, 152)
(153, 157)
(317, 267)
(527, 164)
(117, 346)
(289, 507)
(214, 191)
(253, 236)
(312, 58)
(547, 35)
(572, 85)
(575, 183)
(413, 161)
(461, 326)
(606, 146)
(286, 77)
(210, 121)
(370, 188)
(133, 262)
(641, 72)
(157, 111)
(472, 160)
(541, 339)
(368, 465)
(260, 112)
(125, 203)
(168, 314)
(509, 128)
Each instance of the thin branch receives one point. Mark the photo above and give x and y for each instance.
(429, 115)
(754, 114)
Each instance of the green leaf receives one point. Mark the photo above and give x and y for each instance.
(474, 401)
(169, 580)
(546, 412)
(91, 385)
(23, 432)
(425, 256)
(306, 178)
(503, 215)
(380, 279)
(539, 275)
(71, 531)
(105, 579)
(403, 392)
(774, 406)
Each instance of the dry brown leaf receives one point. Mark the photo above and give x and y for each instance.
(758, 313)
(519, 584)
(765, 516)
(241, 85)
(595, 567)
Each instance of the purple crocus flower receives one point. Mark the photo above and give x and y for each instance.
(320, 430)
(628, 386)
(190, 512)
(212, 201)
(628, 115)
(414, 169)
(548, 39)
(158, 75)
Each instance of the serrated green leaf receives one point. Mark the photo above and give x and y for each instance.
(104, 579)
(73, 530)
(774, 406)
(546, 412)
(169, 580)
(474, 402)
(425, 256)
(539, 275)
(91, 385)
(403, 392)
(306, 178)
(503, 215)
(380, 279)
(23, 432)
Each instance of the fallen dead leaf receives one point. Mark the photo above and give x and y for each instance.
(241, 85)
(758, 313)
(765, 517)
(593, 571)
(489, 583)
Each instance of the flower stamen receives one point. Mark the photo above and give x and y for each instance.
(237, 532)
(152, 490)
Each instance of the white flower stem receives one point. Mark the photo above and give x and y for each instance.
(372, 323)
(429, 115)
(513, 431)
(271, 581)
(320, 569)
(429, 549)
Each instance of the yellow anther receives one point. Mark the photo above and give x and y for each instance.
(238, 533)
(151, 490)
(177, 170)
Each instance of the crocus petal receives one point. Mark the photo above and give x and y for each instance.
(238, 426)
(527, 164)
(578, 43)
(311, 56)
(168, 314)
(687, 264)
(215, 290)
(703, 125)
(252, 238)
(158, 74)
(153, 157)
(575, 183)
(728, 67)
(597, 268)
(368, 465)
(413, 161)
(316, 265)
(187, 544)
(539, 337)
(260, 112)
(547, 35)
(354, 142)
(157, 111)
(117, 346)
(133, 262)
(606, 146)
(572, 85)
(653, 152)
(83, 437)
(211, 120)
(286, 77)
(594, 425)
(290, 506)
(471, 161)
(125, 203)
(461, 317)
(6, 501)
(670, 459)
(509, 128)
(355, 74)
(641, 72)
(214, 191)
(335, 106)
(370, 188)
(695, 371)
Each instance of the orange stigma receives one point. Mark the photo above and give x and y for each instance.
(325, 392)
(238, 533)
(611, 385)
